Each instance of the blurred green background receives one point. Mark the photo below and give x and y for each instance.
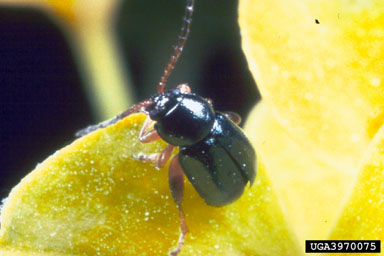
(42, 97)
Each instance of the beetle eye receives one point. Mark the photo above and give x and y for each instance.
(158, 109)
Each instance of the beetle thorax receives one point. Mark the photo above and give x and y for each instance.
(181, 118)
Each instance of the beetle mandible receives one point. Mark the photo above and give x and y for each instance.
(214, 153)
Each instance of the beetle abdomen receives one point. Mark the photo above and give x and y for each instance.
(220, 166)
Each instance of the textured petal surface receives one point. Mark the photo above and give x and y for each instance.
(324, 82)
(92, 198)
(306, 185)
(319, 66)
(363, 215)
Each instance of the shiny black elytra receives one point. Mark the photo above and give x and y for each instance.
(214, 153)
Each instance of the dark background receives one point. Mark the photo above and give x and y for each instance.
(42, 100)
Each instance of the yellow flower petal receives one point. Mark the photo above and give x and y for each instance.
(92, 198)
(306, 185)
(64, 9)
(363, 215)
(323, 81)
(88, 26)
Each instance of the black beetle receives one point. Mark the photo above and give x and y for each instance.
(214, 154)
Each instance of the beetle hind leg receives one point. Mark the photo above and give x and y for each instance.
(176, 186)
(175, 176)
(234, 117)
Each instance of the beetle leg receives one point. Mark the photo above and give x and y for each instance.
(176, 185)
(164, 156)
(234, 117)
(159, 158)
(146, 136)
(150, 136)
(184, 88)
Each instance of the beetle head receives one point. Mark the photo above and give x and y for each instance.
(164, 103)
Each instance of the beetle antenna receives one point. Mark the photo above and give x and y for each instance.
(187, 19)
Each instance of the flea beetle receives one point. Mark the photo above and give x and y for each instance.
(214, 153)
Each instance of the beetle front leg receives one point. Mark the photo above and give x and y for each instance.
(159, 158)
(147, 135)
(176, 185)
